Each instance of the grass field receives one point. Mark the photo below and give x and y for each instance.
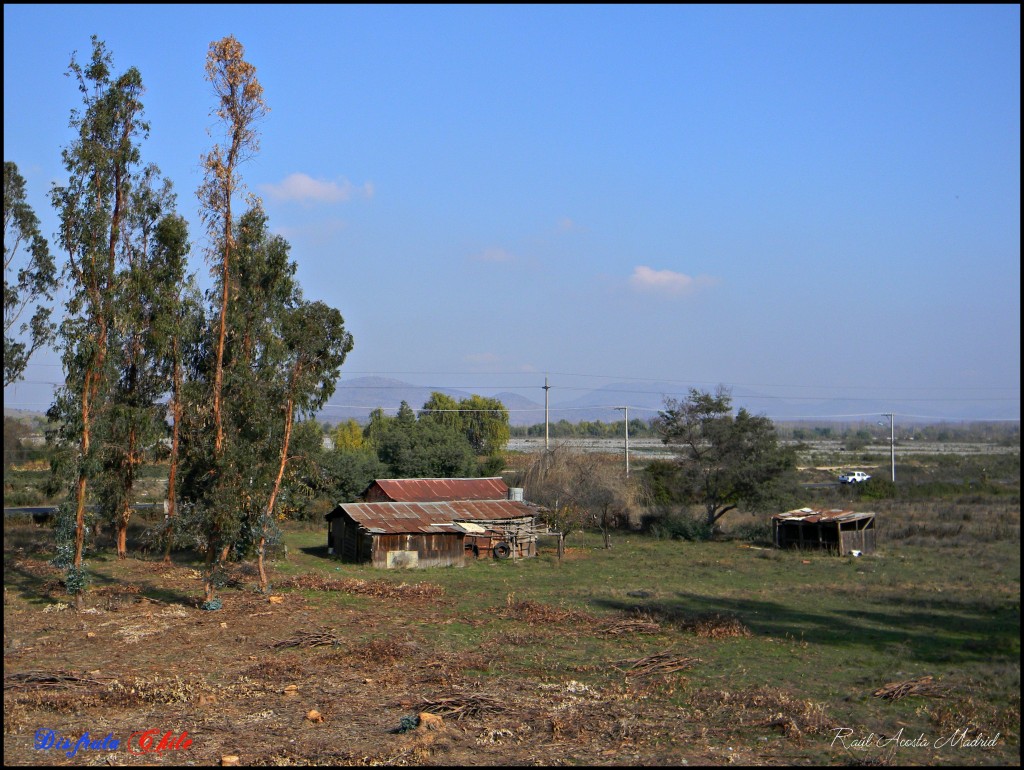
(651, 652)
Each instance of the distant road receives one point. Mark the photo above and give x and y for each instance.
(655, 448)
(43, 511)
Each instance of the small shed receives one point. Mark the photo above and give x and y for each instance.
(836, 530)
(435, 490)
(431, 534)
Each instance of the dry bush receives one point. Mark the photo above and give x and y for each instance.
(977, 718)
(276, 669)
(135, 691)
(380, 651)
(762, 706)
(948, 523)
(714, 626)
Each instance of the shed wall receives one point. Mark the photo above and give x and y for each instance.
(418, 550)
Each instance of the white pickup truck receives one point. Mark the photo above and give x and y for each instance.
(853, 477)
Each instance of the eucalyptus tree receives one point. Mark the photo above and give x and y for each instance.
(240, 106)
(176, 333)
(314, 346)
(145, 332)
(92, 209)
(280, 360)
(30, 277)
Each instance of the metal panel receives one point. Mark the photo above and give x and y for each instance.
(436, 490)
(381, 518)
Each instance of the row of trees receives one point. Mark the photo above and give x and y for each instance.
(150, 364)
(587, 429)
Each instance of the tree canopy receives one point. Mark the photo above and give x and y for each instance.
(483, 421)
(30, 277)
(419, 448)
(725, 460)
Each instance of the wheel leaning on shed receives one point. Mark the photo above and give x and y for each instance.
(502, 551)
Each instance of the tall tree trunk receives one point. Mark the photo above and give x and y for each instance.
(126, 501)
(218, 375)
(175, 420)
(90, 387)
(277, 483)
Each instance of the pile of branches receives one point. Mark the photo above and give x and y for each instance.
(534, 612)
(62, 680)
(638, 624)
(321, 638)
(381, 589)
(660, 663)
(465, 704)
(924, 685)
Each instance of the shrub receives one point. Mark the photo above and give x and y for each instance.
(759, 533)
(877, 489)
(676, 525)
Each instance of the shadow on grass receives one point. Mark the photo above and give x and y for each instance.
(319, 551)
(933, 632)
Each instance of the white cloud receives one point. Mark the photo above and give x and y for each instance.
(493, 255)
(303, 188)
(667, 282)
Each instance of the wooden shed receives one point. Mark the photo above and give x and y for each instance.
(836, 530)
(431, 534)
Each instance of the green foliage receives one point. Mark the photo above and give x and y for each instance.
(348, 472)
(663, 482)
(281, 359)
(877, 489)
(490, 466)
(676, 524)
(140, 342)
(419, 448)
(483, 421)
(347, 435)
(30, 277)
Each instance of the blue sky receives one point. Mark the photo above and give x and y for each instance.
(813, 200)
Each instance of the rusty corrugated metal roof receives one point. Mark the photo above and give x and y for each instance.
(432, 517)
(814, 516)
(437, 490)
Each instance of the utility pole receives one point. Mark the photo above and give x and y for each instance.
(625, 411)
(546, 389)
(892, 443)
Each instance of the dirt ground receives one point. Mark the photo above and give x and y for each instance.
(287, 682)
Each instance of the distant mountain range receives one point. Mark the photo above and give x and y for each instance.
(356, 398)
